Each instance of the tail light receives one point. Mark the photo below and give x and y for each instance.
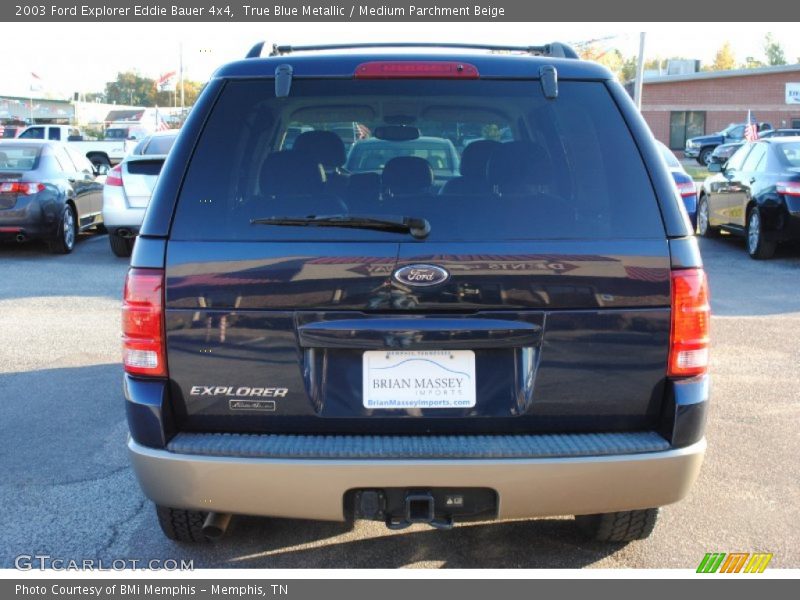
(788, 188)
(689, 341)
(20, 187)
(114, 176)
(416, 69)
(143, 340)
(687, 188)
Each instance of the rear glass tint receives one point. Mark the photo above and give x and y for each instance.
(19, 157)
(491, 160)
(160, 144)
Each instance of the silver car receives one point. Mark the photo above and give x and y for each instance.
(129, 186)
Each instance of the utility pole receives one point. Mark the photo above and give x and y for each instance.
(181, 74)
(637, 84)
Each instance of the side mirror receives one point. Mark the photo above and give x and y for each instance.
(100, 170)
(715, 167)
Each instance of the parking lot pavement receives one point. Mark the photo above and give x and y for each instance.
(67, 490)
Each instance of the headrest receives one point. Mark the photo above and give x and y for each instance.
(407, 175)
(519, 167)
(289, 173)
(362, 182)
(475, 158)
(325, 147)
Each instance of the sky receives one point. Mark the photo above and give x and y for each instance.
(97, 51)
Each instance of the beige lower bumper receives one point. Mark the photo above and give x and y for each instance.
(314, 489)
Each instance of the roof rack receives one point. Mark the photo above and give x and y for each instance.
(554, 49)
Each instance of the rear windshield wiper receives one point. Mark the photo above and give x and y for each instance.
(418, 227)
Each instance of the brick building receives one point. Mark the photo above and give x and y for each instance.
(678, 107)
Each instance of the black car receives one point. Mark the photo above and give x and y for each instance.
(722, 153)
(755, 194)
(47, 192)
(702, 147)
(525, 337)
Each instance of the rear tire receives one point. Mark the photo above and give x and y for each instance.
(703, 227)
(121, 246)
(624, 526)
(67, 233)
(757, 247)
(181, 525)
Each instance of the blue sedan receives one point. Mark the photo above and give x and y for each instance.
(683, 181)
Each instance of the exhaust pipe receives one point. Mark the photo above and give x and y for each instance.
(20, 237)
(216, 524)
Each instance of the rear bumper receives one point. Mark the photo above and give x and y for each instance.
(117, 214)
(314, 488)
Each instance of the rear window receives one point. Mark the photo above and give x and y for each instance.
(492, 160)
(790, 152)
(116, 134)
(19, 157)
(159, 144)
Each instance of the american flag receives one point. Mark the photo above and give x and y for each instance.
(362, 131)
(751, 129)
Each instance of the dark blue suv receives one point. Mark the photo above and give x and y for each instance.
(523, 335)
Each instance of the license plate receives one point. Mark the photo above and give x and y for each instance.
(402, 379)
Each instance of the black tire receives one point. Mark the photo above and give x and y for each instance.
(121, 246)
(625, 526)
(67, 233)
(703, 228)
(757, 247)
(704, 158)
(181, 525)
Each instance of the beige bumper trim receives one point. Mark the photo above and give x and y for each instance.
(314, 489)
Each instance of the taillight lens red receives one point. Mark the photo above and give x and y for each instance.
(143, 340)
(416, 69)
(691, 314)
(687, 188)
(114, 176)
(20, 187)
(788, 188)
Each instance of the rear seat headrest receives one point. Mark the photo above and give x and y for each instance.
(475, 158)
(325, 147)
(291, 173)
(407, 175)
(517, 167)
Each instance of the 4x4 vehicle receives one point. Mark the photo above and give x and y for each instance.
(528, 339)
(702, 147)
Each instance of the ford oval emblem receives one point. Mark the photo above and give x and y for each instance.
(421, 275)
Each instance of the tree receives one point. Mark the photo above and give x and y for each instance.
(724, 60)
(628, 72)
(611, 58)
(774, 51)
(130, 88)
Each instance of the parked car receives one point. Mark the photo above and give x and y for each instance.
(128, 188)
(683, 181)
(299, 346)
(701, 147)
(723, 152)
(373, 154)
(779, 133)
(756, 194)
(47, 192)
(100, 152)
(9, 131)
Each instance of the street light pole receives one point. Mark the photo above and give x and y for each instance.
(181, 74)
(637, 86)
